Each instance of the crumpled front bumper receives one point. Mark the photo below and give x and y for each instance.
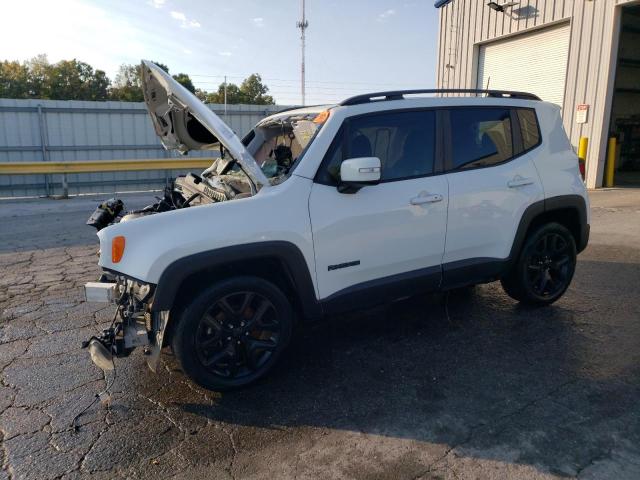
(133, 326)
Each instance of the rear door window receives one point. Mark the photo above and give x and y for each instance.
(480, 137)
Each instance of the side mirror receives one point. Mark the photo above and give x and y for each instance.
(356, 173)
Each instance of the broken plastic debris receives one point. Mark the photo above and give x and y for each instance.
(105, 399)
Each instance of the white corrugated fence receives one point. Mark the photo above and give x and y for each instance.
(56, 130)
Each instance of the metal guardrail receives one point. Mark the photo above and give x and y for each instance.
(91, 166)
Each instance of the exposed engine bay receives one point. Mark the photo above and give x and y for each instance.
(185, 191)
(276, 144)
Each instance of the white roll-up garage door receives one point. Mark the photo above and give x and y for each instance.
(533, 62)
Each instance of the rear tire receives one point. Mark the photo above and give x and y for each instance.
(233, 333)
(545, 267)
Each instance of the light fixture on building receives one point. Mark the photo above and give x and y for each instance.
(500, 8)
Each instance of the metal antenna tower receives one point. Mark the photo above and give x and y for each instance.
(302, 25)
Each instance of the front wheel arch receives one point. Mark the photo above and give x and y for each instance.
(269, 269)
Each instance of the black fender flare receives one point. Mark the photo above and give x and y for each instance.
(573, 202)
(577, 203)
(287, 253)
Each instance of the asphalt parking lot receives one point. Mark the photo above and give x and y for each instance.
(466, 385)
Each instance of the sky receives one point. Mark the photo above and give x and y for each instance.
(353, 46)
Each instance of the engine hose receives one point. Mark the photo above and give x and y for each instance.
(190, 199)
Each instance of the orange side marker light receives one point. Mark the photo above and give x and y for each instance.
(117, 248)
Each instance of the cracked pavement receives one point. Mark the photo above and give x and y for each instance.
(465, 385)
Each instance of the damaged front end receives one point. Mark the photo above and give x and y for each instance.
(134, 324)
(265, 158)
(219, 183)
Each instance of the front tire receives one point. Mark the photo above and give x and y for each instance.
(544, 268)
(233, 333)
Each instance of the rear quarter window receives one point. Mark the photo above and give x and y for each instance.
(529, 128)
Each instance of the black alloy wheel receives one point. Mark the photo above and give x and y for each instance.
(238, 334)
(544, 268)
(233, 333)
(549, 267)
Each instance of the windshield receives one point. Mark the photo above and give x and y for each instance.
(276, 144)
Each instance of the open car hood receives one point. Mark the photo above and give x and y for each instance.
(184, 123)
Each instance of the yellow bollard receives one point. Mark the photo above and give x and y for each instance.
(583, 144)
(611, 162)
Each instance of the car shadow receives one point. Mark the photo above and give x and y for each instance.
(470, 369)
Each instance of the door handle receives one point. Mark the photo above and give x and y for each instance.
(422, 199)
(519, 181)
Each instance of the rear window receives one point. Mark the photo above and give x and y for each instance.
(529, 128)
(481, 137)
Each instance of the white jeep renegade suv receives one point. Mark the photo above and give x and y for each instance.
(323, 209)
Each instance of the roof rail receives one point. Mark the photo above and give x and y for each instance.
(299, 107)
(399, 95)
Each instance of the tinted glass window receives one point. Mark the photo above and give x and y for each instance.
(528, 127)
(332, 160)
(403, 141)
(480, 137)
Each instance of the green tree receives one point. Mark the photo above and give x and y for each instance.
(233, 94)
(127, 86)
(184, 80)
(251, 91)
(14, 80)
(65, 80)
(254, 91)
(99, 86)
(75, 80)
(39, 71)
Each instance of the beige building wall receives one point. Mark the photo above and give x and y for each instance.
(467, 24)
